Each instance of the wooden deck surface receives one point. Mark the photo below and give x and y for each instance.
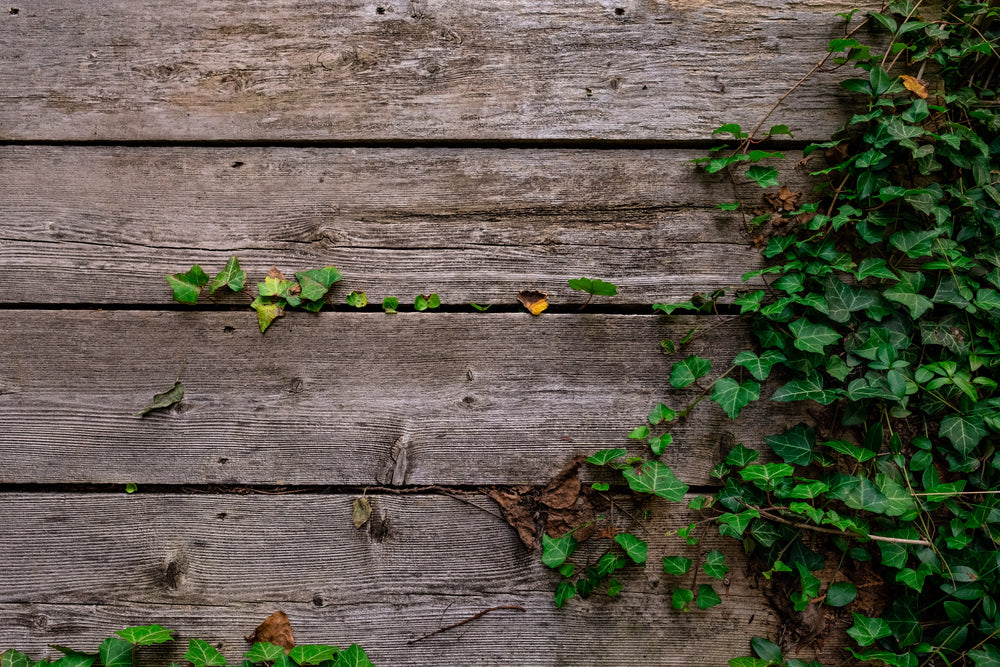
(470, 149)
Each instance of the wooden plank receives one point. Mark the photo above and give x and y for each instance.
(412, 69)
(347, 398)
(74, 568)
(103, 225)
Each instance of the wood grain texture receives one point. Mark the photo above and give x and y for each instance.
(103, 225)
(347, 398)
(75, 568)
(412, 69)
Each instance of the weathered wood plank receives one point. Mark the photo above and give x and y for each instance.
(103, 225)
(75, 568)
(411, 69)
(346, 398)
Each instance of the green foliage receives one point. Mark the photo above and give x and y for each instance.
(165, 400)
(188, 285)
(357, 299)
(390, 304)
(421, 302)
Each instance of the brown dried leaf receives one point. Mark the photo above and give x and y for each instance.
(914, 85)
(533, 300)
(518, 507)
(362, 509)
(276, 629)
(608, 532)
(275, 273)
(785, 200)
(563, 490)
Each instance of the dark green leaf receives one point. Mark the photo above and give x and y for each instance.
(794, 446)
(866, 630)
(715, 564)
(187, 286)
(594, 286)
(766, 473)
(841, 593)
(676, 565)
(605, 456)
(759, 367)
(162, 401)
(115, 652)
(964, 432)
(264, 652)
(766, 650)
(686, 371)
(316, 282)
(390, 304)
(765, 177)
(313, 654)
(633, 546)
(733, 397)
(12, 658)
(661, 413)
(655, 477)
(564, 591)
(707, 597)
(232, 276)
(352, 656)
(740, 456)
(555, 551)
(681, 598)
(811, 337)
(146, 635)
(906, 292)
(808, 388)
(842, 300)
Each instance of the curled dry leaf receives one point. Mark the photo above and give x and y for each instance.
(276, 629)
(533, 300)
(914, 85)
(168, 398)
(362, 510)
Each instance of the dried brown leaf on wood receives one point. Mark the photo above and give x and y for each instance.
(276, 629)
(785, 200)
(361, 510)
(533, 300)
(914, 85)
(519, 507)
(562, 490)
(275, 273)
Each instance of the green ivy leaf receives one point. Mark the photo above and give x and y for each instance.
(187, 286)
(313, 654)
(555, 551)
(866, 630)
(874, 267)
(390, 304)
(421, 302)
(707, 597)
(115, 652)
(232, 276)
(676, 565)
(765, 177)
(655, 477)
(766, 650)
(794, 446)
(841, 594)
(811, 337)
(352, 656)
(564, 591)
(315, 283)
(906, 292)
(640, 433)
(808, 388)
(750, 302)
(842, 300)
(759, 367)
(162, 401)
(733, 525)
(661, 413)
(70, 659)
(859, 454)
(715, 564)
(766, 473)
(634, 547)
(740, 456)
(659, 444)
(606, 456)
(264, 652)
(267, 311)
(594, 286)
(203, 654)
(681, 598)
(357, 299)
(964, 432)
(987, 656)
(146, 635)
(686, 371)
(12, 658)
(733, 397)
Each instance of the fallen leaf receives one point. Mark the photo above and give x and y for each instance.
(362, 510)
(267, 311)
(164, 400)
(276, 629)
(534, 301)
(517, 505)
(275, 273)
(609, 531)
(785, 200)
(563, 490)
(913, 85)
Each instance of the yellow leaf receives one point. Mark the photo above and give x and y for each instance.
(534, 301)
(914, 86)
(362, 510)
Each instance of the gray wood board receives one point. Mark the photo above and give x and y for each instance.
(105, 224)
(419, 69)
(75, 568)
(349, 398)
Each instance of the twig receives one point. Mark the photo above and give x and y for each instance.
(841, 533)
(468, 620)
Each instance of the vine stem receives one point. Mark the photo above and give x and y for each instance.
(832, 531)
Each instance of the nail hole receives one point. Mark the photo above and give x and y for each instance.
(317, 601)
(223, 460)
(222, 515)
(237, 164)
(620, 11)
(14, 10)
(378, 10)
(228, 329)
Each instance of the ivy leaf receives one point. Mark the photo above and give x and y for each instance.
(676, 565)
(564, 591)
(13, 658)
(707, 597)
(232, 276)
(842, 300)
(655, 477)
(421, 302)
(964, 432)
(264, 652)
(313, 654)
(759, 367)
(661, 413)
(390, 304)
(640, 433)
(741, 456)
(766, 473)
(906, 292)
(115, 652)
(688, 370)
(733, 397)
(733, 525)
(352, 656)
(267, 311)
(866, 630)
(594, 286)
(750, 302)
(70, 659)
(874, 267)
(634, 547)
(681, 598)
(987, 656)
(146, 635)
(203, 654)
(914, 243)
(899, 499)
(765, 177)
(859, 454)
(794, 446)
(187, 286)
(555, 551)
(841, 594)
(808, 388)
(660, 443)
(315, 283)
(766, 650)
(811, 337)
(357, 299)
(167, 399)
(606, 456)
(715, 564)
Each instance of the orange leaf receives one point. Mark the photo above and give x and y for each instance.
(914, 86)
(534, 301)
(275, 629)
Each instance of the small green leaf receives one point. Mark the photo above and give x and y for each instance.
(729, 206)
(614, 587)
(659, 444)
(766, 473)
(352, 656)
(315, 283)
(390, 304)
(866, 630)
(681, 598)
(759, 367)
(740, 456)
(421, 302)
(655, 477)
(794, 446)
(555, 551)
(640, 433)
(633, 546)
(594, 286)
(686, 371)
(357, 299)
(676, 565)
(765, 177)
(232, 276)
(733, 397)
(715, 564)
(165, 400)
(264, 652)
(203, 654)
(267, 311)
(859, 454)
(115, 652)
(481, 309)
(733, 525)
(564, 591)
(661, 413)
(808, 388)
(600, 486)
(766, 650)
(606, 456)
(707, 597)
(841, 593)
(811, 337)
(131, 487)
(313, 654)
(187, 286)
(964, 432)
